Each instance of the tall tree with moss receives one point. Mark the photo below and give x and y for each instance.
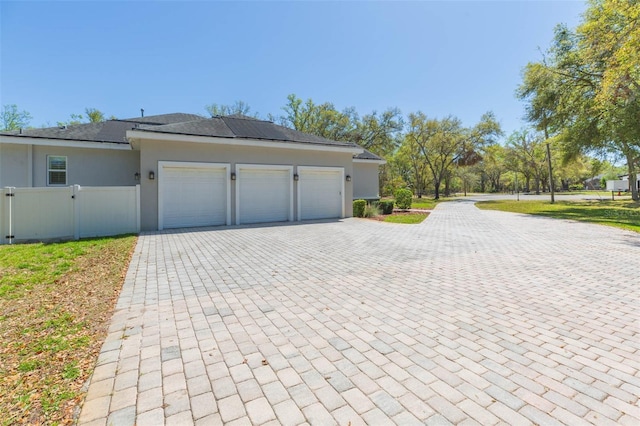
(586, 90)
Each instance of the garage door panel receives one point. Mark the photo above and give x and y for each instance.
(321, 194)
(194, 196)
(264, 195)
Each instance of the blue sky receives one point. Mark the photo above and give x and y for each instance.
(459, 58)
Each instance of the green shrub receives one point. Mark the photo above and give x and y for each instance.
(371, 210)
(403, 198)
(358, 207)
(386, 207)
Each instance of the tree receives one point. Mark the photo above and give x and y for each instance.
(573, 174)
(468, 178)
(409, 162)
(93, 115)
(437, 142)
(492, 167)
(14, 119)
(238, 108)
(527, 155)
(322, 120)
(445, 143)
(587, 89)
(379, 133)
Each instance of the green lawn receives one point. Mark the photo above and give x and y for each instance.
(424, 203)
(55, 304)
(409, 218)
(428, 203)
(623, 214)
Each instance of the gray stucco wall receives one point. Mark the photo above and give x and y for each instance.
(365, 181)
(26, 165)
(88, 167)
(14, 165)
(153, 151)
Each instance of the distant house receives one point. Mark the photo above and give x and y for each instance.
(626, 177)
(594, 183)
(196, 171)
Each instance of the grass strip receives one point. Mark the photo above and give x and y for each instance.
(408, 218)
(623, 214)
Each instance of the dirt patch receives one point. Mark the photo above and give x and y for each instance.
(51, 336)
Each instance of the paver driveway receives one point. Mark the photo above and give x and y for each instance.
(472, 317)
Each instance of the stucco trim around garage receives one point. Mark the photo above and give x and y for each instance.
(134, 136)
(25, 140)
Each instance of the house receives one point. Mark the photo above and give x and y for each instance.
(196, 171)
(626, 178)
(594, 182)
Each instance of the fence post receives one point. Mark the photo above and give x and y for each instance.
(2, 215)
(75, 199)
(138, 208)
(8, 193)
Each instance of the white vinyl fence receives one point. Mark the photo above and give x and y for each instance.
(73, 212)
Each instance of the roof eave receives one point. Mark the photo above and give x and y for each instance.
(70, 143)
(369, 160)
(135, 135)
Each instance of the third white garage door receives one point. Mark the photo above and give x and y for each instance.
(320, 192)
(264, 193)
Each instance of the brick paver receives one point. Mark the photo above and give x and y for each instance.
(472, 317)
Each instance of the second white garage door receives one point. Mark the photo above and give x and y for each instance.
(264, 193)
(193, 194)
(320, 193)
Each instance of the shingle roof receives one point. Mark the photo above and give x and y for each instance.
(176, 117)
(241, 127)
(202, 127)
(107, 131)
(113, 131)
(368, 155)
(233, 126)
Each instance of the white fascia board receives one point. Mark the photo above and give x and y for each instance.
(134, 135)
(360, 160)
(23, 140)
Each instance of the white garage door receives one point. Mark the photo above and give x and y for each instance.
(193, 194)
(264, 194)
(320, 193)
